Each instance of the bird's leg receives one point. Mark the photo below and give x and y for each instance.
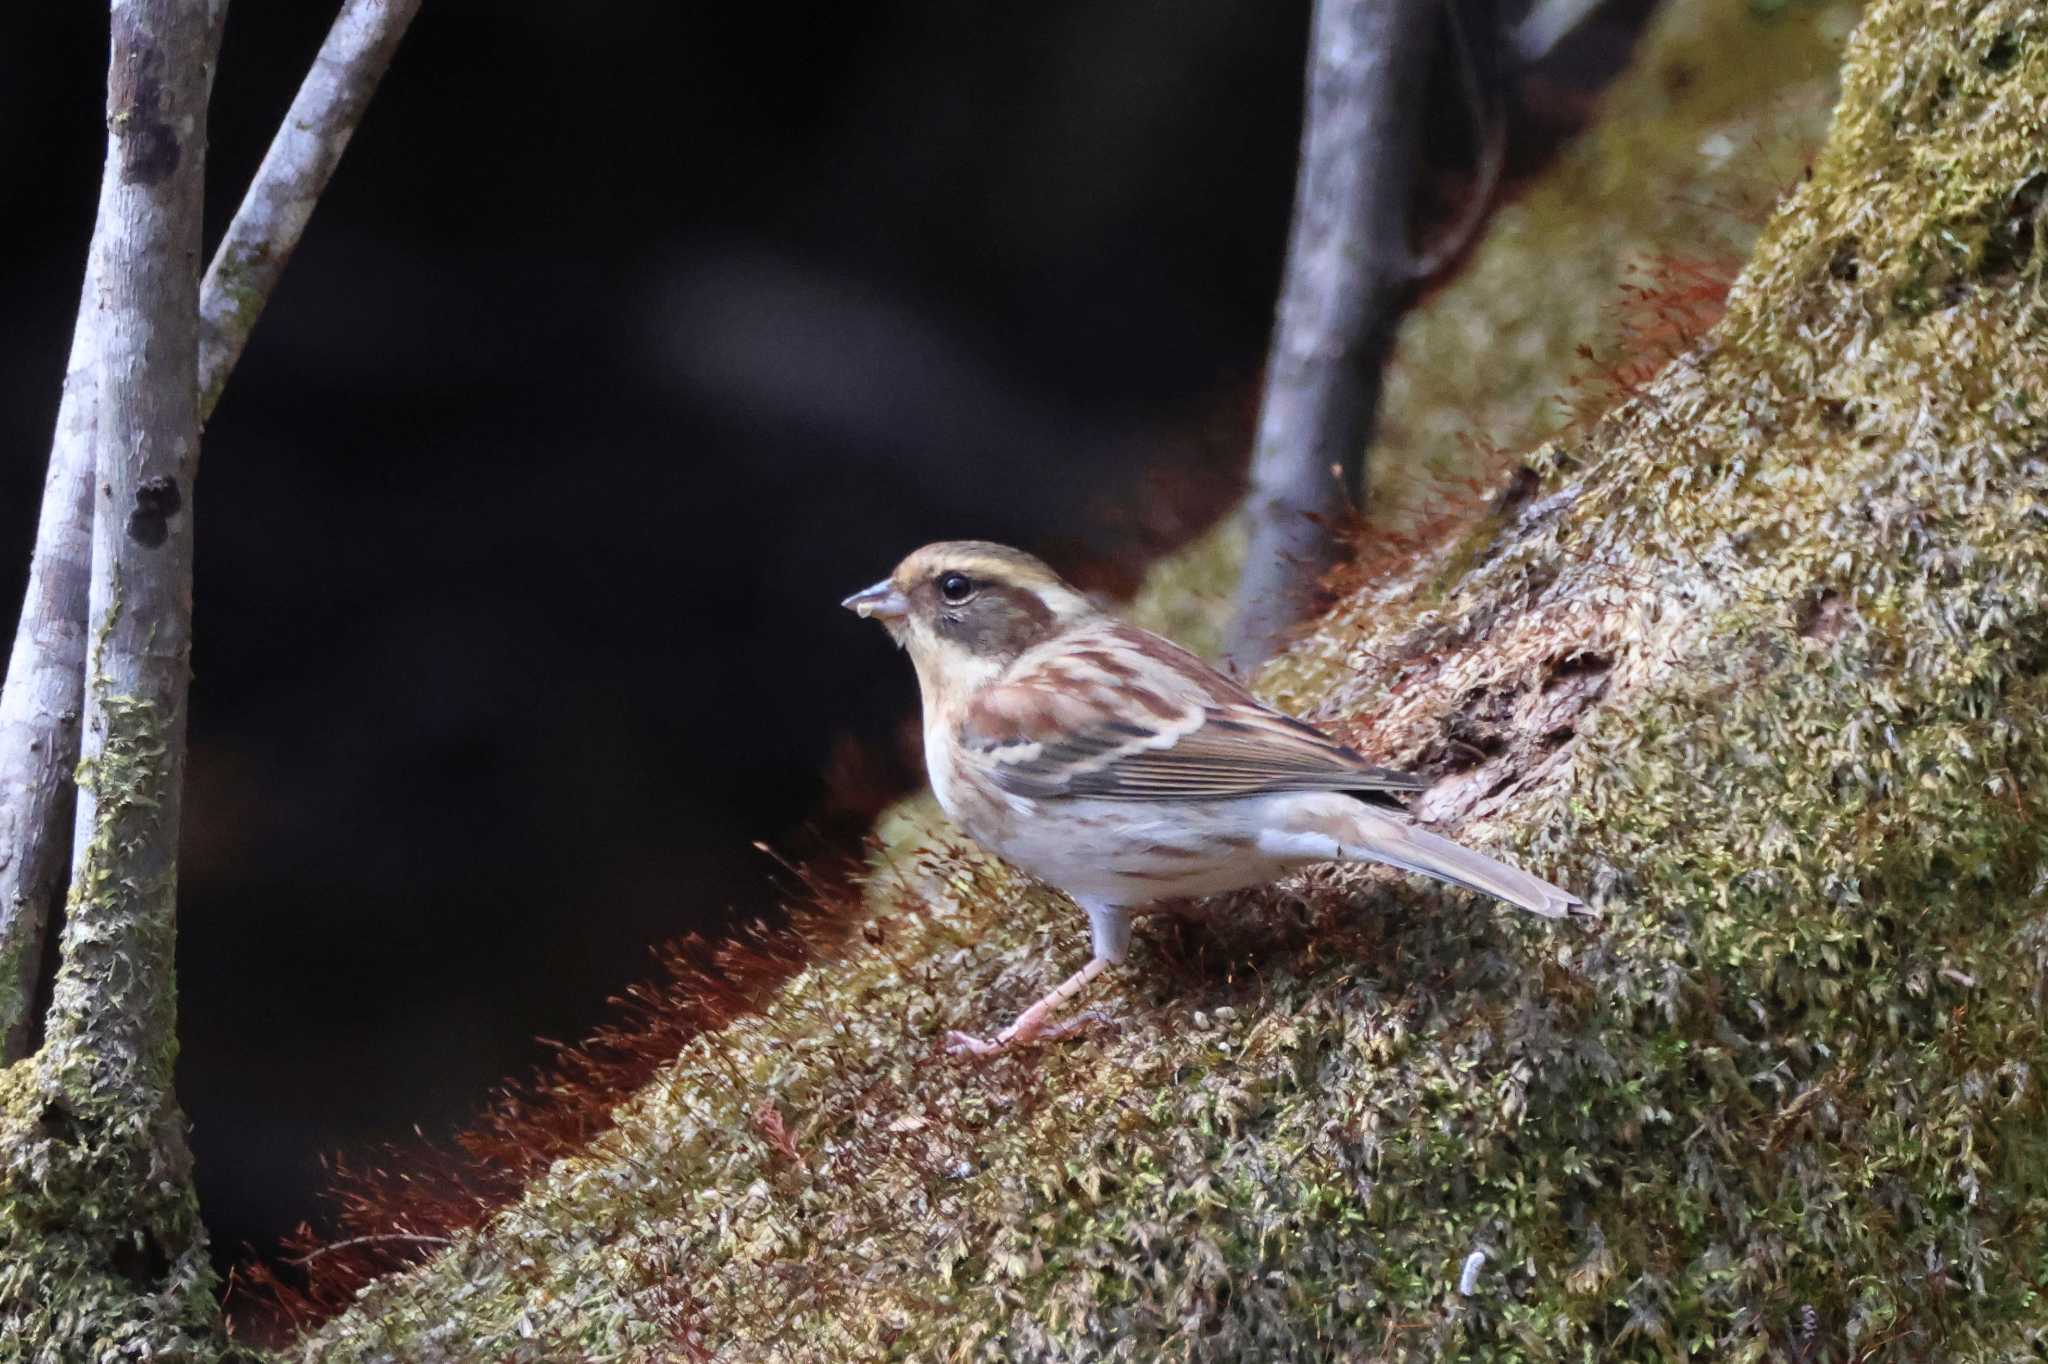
(1110, 928)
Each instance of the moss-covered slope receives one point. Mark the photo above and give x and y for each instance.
(1760, 668)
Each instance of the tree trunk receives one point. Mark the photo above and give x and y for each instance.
(1762, 673)
(106, 1254)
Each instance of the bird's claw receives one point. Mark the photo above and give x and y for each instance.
(1081, 1022)
(967, 1044)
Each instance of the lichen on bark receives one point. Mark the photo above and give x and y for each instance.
(102, 1253)
(1760, 670)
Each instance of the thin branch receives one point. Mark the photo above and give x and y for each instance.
(104, 1168)
(43, 697)
(39, 707)
(1349, 276)
(380, 1238)
(301, 160)
(1547, 24)
(1489, 129)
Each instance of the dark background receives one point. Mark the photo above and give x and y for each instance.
(629, 338)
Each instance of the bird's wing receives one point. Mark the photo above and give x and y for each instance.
(1117, 713)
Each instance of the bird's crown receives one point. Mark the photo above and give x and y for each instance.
(981, 560)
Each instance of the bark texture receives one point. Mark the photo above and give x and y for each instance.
(1760, 668)
(102, 1254)
(44, 693)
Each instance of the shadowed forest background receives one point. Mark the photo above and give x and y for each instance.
(628, 339)
(622, 346)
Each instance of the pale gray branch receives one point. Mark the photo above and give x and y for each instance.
(1547, 24)
(39, 708)
(43, 697)
(1349, 275)
(114, 1004)
(301, 159)
(387, 1238)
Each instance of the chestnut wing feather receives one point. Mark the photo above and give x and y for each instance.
(1162, 726)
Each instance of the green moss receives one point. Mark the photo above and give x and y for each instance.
(102, 1252)
(16, 949)
(231, 278)
(1594, 266)
(1765, 680)
(102, 1256)
(113, 1016)
(1187, 598)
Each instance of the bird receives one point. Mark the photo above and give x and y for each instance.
(1115, 765)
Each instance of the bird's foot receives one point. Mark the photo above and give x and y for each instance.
(967, 1044)
(1087, 1021)
(1023, 1032)
(1018, 1035)
(1033, 1022)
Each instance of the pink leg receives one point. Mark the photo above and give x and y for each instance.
(1030, 1024)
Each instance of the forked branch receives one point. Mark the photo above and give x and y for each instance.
(43, 698)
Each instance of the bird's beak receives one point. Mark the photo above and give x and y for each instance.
(880, 602)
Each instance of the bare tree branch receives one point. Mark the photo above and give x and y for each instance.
(39, 708)
(1548, 23)
(40, 705)
(1349, 275)
(301, 160)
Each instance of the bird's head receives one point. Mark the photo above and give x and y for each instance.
(966, 608)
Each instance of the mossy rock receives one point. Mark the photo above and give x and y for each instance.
(1760, 669)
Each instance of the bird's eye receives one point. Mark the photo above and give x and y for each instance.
(956, 588)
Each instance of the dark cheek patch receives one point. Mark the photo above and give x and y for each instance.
(1000, 622)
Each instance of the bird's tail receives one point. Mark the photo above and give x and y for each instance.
(1360, 833)
(1415, 850)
